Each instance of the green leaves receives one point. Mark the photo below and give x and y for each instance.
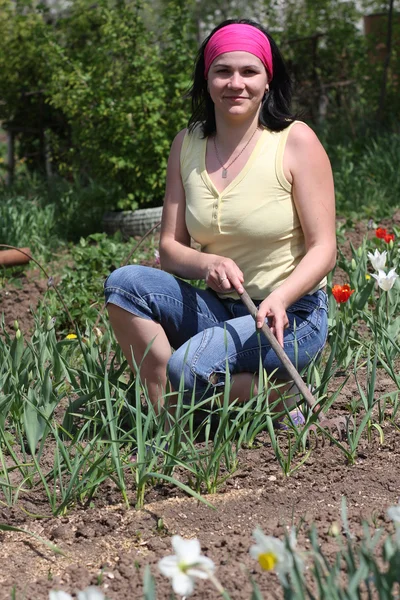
(81, 285)
(115, 95)
(107, 90)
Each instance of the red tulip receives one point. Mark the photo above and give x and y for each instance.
(342, 293)
(389, 237)
(380, 233)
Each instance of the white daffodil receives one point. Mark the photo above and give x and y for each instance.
(271, 554)
(60, 595)
(378, 259)
(89, 593)
(394, 514)
(185, 565)
(385, 282)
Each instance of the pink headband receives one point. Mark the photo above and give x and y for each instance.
(237, 36)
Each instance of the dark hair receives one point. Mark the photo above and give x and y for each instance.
(275, 111)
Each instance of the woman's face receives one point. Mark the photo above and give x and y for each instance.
(237, 82)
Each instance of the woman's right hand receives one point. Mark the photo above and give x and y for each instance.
(223, 275)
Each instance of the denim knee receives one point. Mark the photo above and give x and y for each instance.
(183, 377)
(129, 279)
(130, 288)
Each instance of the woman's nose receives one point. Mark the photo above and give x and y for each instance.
(236, 80)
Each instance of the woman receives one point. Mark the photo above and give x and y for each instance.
(254, 188)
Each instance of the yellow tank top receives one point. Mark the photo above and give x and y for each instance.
(253, 221)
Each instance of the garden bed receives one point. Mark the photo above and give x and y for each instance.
(107, 544)
(111, 545)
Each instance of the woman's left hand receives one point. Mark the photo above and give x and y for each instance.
(273, 308)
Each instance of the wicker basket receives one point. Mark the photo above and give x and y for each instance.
(132, 223)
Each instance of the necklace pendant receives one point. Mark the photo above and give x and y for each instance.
(224, 173)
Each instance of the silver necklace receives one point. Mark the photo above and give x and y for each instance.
(225, 169)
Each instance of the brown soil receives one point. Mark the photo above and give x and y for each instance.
(110, 545)
(17, 300)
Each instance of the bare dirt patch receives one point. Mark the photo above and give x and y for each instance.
(18, 300)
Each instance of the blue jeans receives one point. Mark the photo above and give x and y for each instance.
(210, 334)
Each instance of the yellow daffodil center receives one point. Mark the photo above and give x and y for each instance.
(367, 277)
(267, 560)
(182, 566)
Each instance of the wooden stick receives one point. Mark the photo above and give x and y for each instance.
(281, 354)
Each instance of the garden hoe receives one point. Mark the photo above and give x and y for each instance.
(338, 424)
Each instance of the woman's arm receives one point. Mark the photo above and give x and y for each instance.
(176, 255)
(307, 167)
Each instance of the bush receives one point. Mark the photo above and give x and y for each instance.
(105, 93)
(98, 88)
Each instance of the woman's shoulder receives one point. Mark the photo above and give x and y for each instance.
(300, 134)
(187, 143)
(186, 134)
(304, 150)
(180, 136)
(177, 143)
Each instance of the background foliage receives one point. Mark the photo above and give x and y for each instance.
(95, 92)
(99, 88)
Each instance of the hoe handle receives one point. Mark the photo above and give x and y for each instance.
(281, 354)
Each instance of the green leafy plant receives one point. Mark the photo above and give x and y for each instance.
(81, 283)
